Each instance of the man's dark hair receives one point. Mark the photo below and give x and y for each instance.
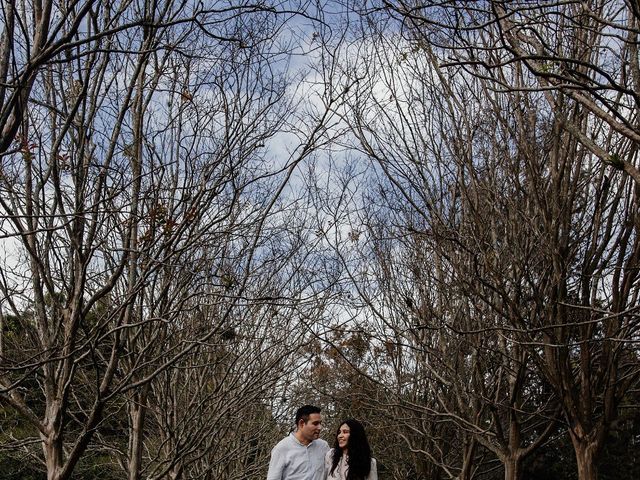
(304, 411)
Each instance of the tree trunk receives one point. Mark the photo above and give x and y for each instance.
(52, 446)
(586, 450)
(137, 415)
(51, 437)
(468, 460)
(176, 473)
(512, 467)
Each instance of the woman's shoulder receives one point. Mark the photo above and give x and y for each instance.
(329, 455)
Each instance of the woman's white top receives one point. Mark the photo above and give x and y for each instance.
(340, 473)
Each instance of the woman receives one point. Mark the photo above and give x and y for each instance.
(350, 458)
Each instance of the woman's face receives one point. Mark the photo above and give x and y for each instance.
(343, 436)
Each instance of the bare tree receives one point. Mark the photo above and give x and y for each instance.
(136, 184)
(534, 234)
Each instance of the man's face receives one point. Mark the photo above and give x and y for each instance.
(310, 431)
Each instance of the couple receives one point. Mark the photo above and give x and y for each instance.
(304, 456)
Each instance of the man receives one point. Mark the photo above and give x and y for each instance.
(300, 456)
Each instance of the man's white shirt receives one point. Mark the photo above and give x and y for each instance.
(291, 460)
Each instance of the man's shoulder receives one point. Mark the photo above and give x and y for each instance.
(283, 444)
(321, 444)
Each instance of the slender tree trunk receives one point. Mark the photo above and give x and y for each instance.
(468, 460)
(52, 446)
(176, 473)
(513, 467)
(137, 415)
(586, 449)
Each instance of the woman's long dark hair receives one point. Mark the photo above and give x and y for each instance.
(359, 451)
